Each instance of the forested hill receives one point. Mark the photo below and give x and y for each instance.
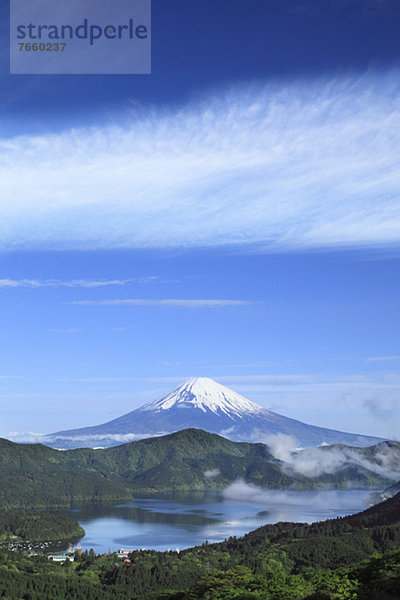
(35, 475)
(37, 527)
(331, 543)
(385, 513)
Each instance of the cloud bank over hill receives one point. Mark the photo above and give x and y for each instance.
(313, 462)
(302, 165)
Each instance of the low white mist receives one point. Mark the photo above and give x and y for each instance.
(212, 473)
(383, 460)
(88, 440)
(241, 491)
(281, 445)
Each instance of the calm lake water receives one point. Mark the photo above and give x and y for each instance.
(181, 520)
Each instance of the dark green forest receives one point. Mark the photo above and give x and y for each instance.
(33, 475)
(350, 558)
(36, 527)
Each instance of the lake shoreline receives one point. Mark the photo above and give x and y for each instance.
(184, 519)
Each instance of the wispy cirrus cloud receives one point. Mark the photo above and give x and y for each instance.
(309, 164)
(167, 302)
(73, 283)
(395, 358)
(298, 384)
(100, 379)
(71, 330)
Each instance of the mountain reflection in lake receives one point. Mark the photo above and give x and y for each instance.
(184, 519)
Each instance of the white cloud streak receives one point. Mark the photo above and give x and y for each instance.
(72, 330)
(74, 283)
(284, 166)
(167, 303)
(297, 383)
(390, 359)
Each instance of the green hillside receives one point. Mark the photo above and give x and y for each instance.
(35, 475)
(32, 475)
(36, 527)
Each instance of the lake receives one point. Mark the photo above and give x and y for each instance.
(184, 519)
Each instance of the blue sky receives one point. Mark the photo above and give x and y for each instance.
(235, 215)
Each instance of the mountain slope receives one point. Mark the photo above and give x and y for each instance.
(204, 404)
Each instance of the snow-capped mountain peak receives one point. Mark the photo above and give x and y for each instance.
(207, 395)
(202, 403)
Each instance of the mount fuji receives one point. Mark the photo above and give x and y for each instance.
(202, 403)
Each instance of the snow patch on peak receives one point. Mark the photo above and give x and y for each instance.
(206, 395)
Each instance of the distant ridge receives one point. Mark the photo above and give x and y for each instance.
(204, 404)
(32, 475)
